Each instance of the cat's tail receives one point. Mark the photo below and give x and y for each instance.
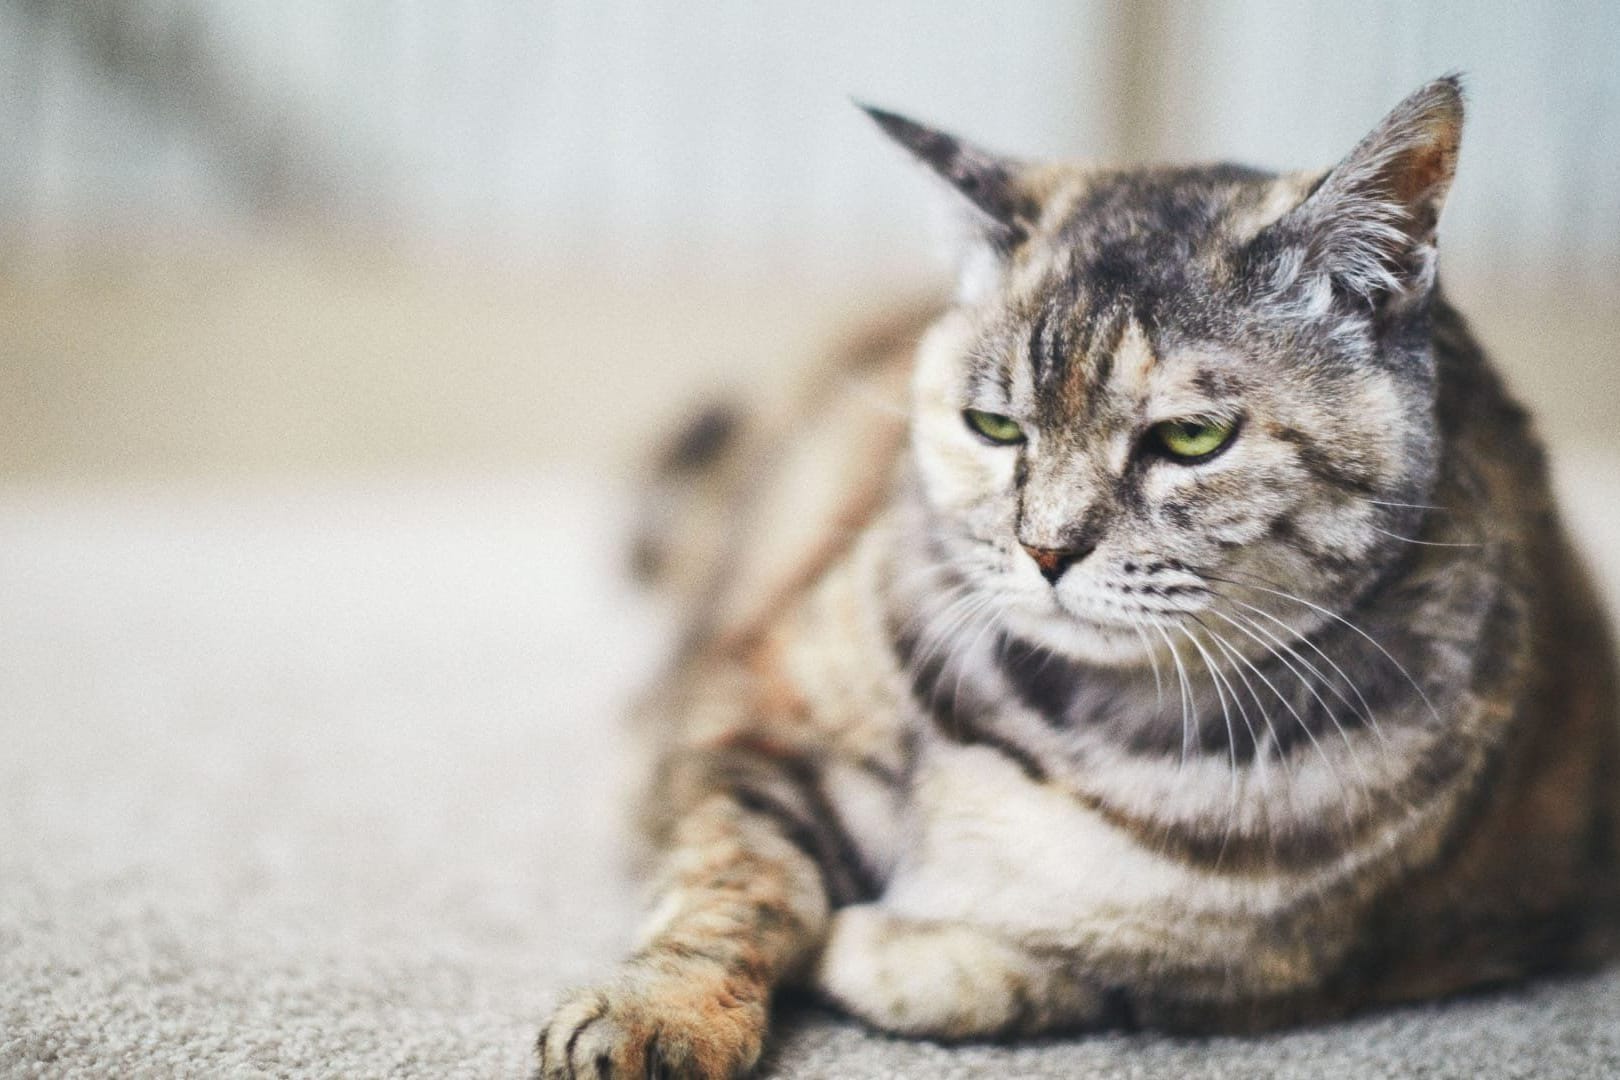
(679, 525)
(700, 499)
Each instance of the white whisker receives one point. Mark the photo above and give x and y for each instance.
(1408, 506)
(1423, 543)
(1355, 757)
(1186, 694)
(944, 626)
(992, 613)
(1263, 748)
(1261, 767)
(1366, 709)
(1310, 687)
(1158, 682)
(1231, 736)
(1433, 712)
(1338, 780)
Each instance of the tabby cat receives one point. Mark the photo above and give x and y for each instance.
(1194, 645)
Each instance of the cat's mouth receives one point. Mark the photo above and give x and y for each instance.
(1128, 607)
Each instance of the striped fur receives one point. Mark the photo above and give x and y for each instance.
(1323, 721)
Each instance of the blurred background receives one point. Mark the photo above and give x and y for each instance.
(310, 238)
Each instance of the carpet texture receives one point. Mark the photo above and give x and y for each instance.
(325, 784)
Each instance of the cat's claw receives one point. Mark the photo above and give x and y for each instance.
(653, 1022)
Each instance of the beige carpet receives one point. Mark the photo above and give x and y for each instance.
(323, 784)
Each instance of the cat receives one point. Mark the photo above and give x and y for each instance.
(1183, 638)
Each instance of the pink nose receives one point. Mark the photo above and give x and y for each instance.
(1054, 561)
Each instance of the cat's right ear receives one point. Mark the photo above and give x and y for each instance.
(1000, 210)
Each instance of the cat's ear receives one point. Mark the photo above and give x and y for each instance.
(998, 211)
(1367, 232)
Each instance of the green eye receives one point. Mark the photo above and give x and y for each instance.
(993, 426)
(1195, 439)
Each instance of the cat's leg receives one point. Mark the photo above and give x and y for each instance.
(743, 904)
(951, 980)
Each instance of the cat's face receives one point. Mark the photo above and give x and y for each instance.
(1149, 408)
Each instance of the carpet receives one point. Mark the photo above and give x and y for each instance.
(325, 783)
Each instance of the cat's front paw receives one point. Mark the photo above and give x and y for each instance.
(673, 1021)
(948, 980)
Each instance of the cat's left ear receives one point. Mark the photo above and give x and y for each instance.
(1367, 232)
(1000, 209)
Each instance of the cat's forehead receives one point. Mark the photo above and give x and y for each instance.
(1076, 352)
(1159, 241)
(1118, 366)
(1128, 288)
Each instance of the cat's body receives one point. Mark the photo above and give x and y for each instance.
(1032, 723)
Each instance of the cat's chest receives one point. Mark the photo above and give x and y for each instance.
(989, 845)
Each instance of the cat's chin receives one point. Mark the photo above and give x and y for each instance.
(1105, 644)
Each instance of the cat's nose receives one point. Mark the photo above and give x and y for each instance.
(1054, 561)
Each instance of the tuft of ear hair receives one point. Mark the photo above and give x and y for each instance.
(991, 184)
(1367, 232)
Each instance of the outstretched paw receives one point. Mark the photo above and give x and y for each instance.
(673, 1021)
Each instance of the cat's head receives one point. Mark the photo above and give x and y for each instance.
(1158, 383)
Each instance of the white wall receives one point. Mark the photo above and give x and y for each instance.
(156, 317)
(576, 129)
(1539, 182)
(719, 134)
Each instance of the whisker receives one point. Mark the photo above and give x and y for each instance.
(1402, 799)
(992, 614)
(1433, 712)
(1153, 660)
(926, 613)
(1366, 709)
(949, 651)
(945, 626)
(1422, 543)
(1306, 728)
(927, 603)
(1331, 685)
(1261, 755)
(1231, 737)
(1216, 671)
(1310, 687)
(1186, 693)
(1405, 505)
(1230, 652)
(1355, 757)
(1209, 667)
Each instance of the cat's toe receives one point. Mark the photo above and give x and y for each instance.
(669, 1025)
(559, 1049)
